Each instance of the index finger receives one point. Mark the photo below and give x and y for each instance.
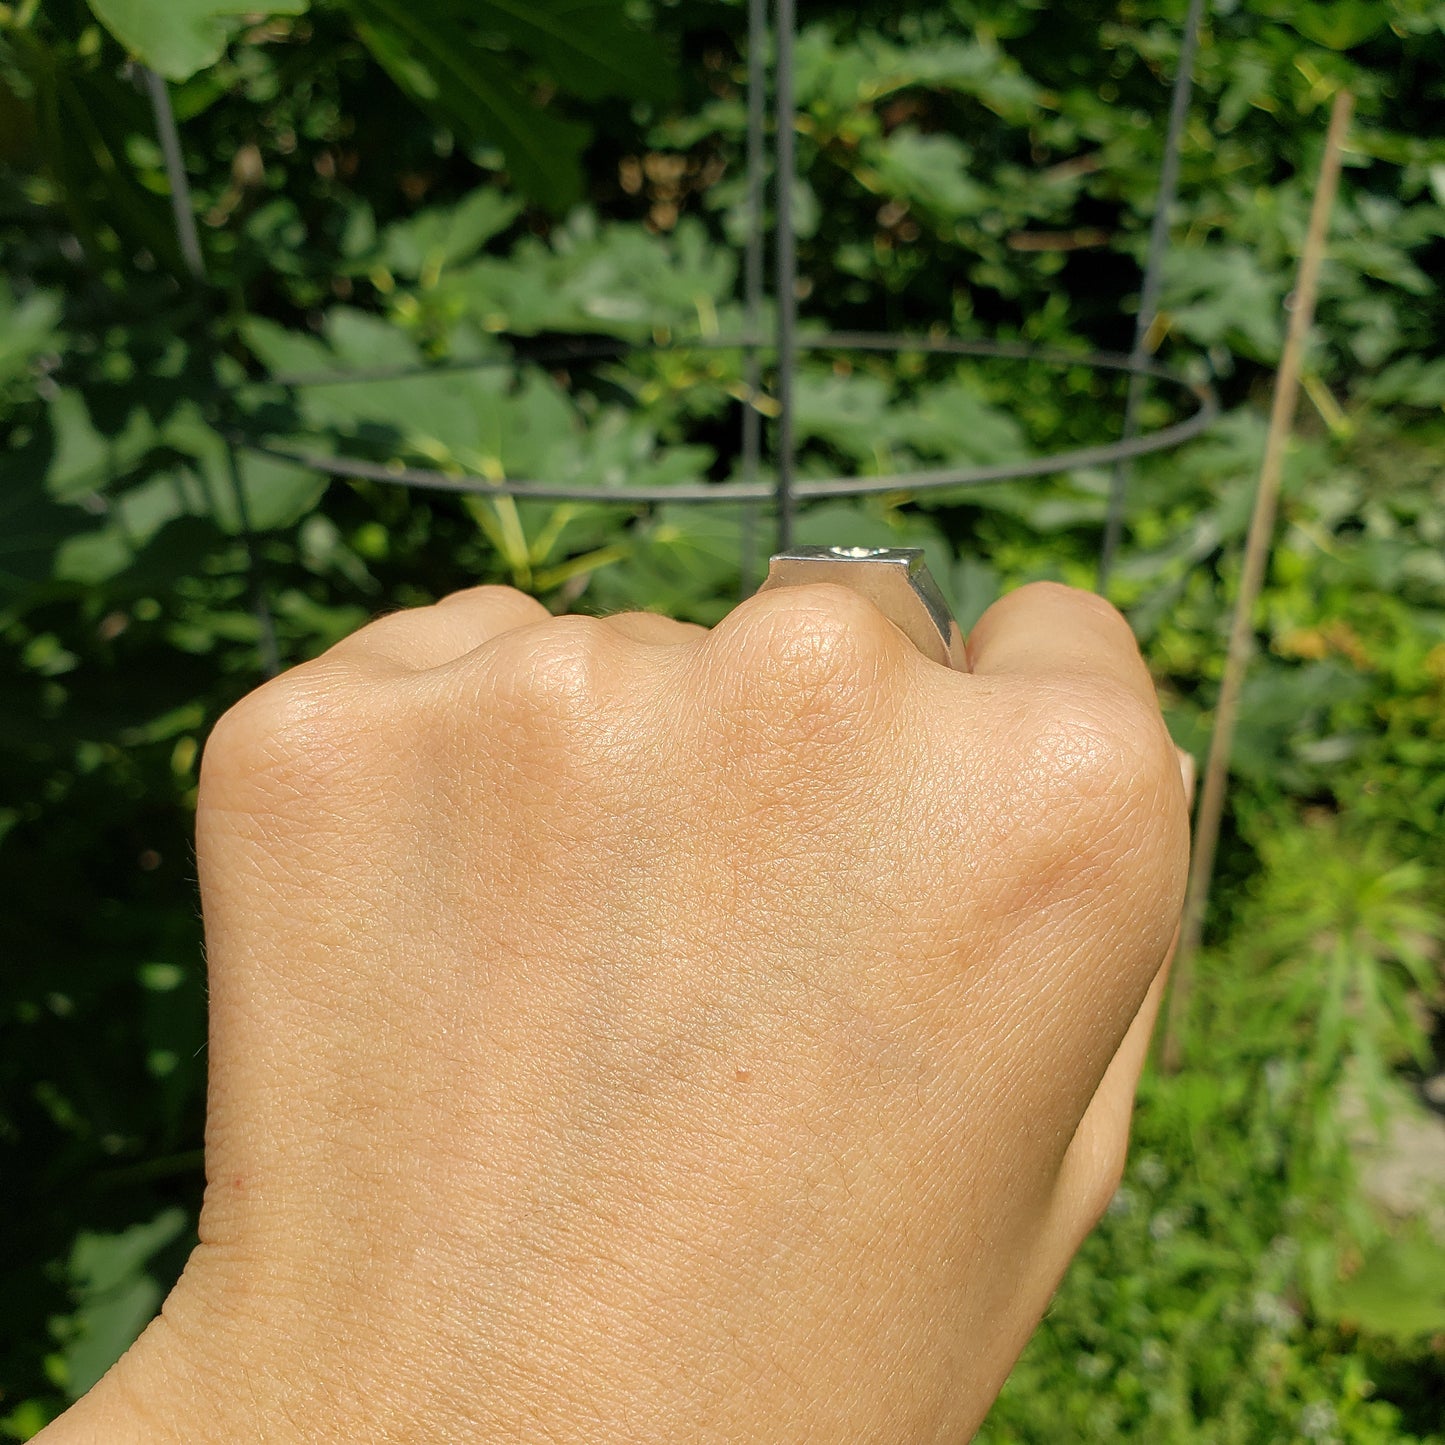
(1048, 630)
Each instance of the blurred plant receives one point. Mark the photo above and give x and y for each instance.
(486, 71)
(1347, 941)
(1205, 1307)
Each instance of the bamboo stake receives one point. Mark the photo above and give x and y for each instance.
(1256, 560)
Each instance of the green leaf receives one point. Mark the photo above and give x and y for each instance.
(971, 68)
(951, 422)
(616, 279)
(91, 555)
(588, 46)
(861, 416)
(27, 328)
(1398, 1291)
(442, 235)
(1225, 296)
(684, 563)
(1338, 24)
(85, 459)
(931, 170)
(282, 350)
(435, 60)
(180, 37)
(836, 75)
(235, 488)
(491, 421)
(27, 1419)
(1411, 381)
(117, 1294)
(848, 412)
(1278, 704)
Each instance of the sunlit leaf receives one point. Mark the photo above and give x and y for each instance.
(441, 236)
(1339, 24)
(931, 170)
(27, 327)
(117, 1295)
(1220, 296)
(1398, 1291)
(84, 458)
(180, 37)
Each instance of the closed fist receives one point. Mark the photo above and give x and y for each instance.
(622, 1031)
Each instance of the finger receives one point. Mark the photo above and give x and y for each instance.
(655, 629)
(1093, 1163)
(426, 637)
(1045, 629)
(1094, 1160)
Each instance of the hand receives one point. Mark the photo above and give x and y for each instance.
(623, 1031)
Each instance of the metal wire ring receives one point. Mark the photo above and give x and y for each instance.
(931, 479)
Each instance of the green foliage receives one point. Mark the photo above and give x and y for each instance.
(116, 1296)
(459, 62)
(1346, 944)
(446, 209)
(1398, 1290)
(185, 36)
(26, 329)
(431, 60)
(1204, 1307)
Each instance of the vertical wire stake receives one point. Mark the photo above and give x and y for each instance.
(1256, 558)
(1153, 279)
(786, 278)
(183, 212)
(753, 279)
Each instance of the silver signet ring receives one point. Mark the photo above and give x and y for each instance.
(895, 579)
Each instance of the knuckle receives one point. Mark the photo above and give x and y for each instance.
(553, 670)
(390, 634)
(1075, 596)
(821, 645)
(249, 729)
(1101, 765)
(285, 742)
(1079, 600)
(1130, 751)
(497, 599)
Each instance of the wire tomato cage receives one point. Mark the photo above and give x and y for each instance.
(768, 479)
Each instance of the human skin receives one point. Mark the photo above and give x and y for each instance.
(622, 1031)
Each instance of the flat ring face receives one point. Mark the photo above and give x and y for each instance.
(895, 579)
